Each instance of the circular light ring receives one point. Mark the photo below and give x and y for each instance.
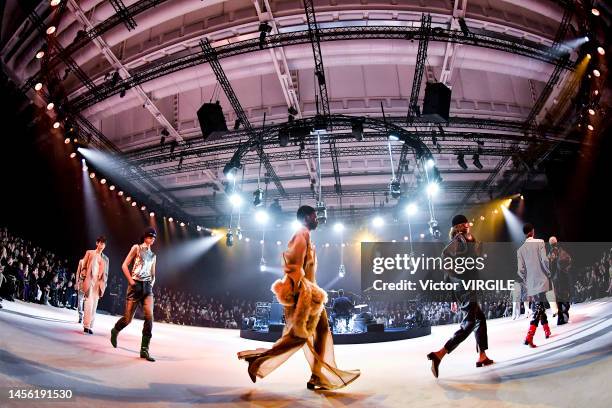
(38, 86)
(601, 51)
(56, 125)
(67, 140)
(50, 105)
(40, 54)
(596, 73)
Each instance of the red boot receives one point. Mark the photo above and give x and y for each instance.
(530, 334)
(546, 330)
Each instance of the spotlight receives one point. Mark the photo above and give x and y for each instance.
(586, 38)
(143, 208)
(357, 130)
(596, 92)
(393, 137)
(261, 242)
(430, 163)
(405, 238)
(38, 86)
(120, 193)
(411, 209)
(495, 211)
(283, 137)
(591, 111)
(103, 181)
(67, 140)
(296, 225)
(395, 188)
(239, 233)
(151, 214)
(72, 155)
(170, 219)
(327, 245)
(262, 264)
(476, 161)
(601, 51)
(236, 200)
(338, 227)
(482, 218)
(134, 204)
(55, 2)
(247, 239)
(56, 125)
(378, 221)
(432, 189)
(112, 188)
(341, 271)
(229, 238)
(590, 127)
(182, 224)
(51, 30)
(92, 175)
(461, 161)
(258, 197)
(595, 12)
(40, 54)
(422, 236)
(434, 229)
(321, 212)
(261, 216)
(596, 73)
(278, 243)
(128, 199)
(50, 105)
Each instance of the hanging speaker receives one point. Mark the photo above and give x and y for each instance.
(210, 116)
(436, 105)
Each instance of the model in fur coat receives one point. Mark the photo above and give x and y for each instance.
(306, 320)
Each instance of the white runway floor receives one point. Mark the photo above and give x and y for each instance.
(44, 347)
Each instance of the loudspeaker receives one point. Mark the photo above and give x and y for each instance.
(275, 328)
(436, 105)
(210, 116)
(375, 327)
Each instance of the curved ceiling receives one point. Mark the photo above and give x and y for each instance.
(494, 90)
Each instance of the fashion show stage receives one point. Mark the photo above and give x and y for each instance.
(44, 347)
(392, 334)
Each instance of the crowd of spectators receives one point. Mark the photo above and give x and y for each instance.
(595, 281)
(31, 274)
(188, 309)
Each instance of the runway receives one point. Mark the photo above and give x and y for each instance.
(44, 347)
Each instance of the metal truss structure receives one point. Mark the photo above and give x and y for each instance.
(123, 14)
(254, 137)
(314, 36)
(169, 65)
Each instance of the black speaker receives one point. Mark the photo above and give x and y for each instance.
(210, 116)
(376, 327)
(275, 328)
(436, 105)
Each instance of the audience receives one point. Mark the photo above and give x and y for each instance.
(31, 274)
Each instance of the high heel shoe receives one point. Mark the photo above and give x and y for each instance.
(435, 363)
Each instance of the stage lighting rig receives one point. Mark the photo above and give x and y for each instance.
(321, 212)
(395, 188)
(229, 239)
(476, 161)
(461, 161)
(341, 271)
(434, 228)
(258, 197)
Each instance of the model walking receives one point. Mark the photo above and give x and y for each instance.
(306, 326)
(140, 290)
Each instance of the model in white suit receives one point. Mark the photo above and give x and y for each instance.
(93, 275)
(534, 270)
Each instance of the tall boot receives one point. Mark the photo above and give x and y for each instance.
(546, 330)
(113, 339)
(144, 348)
(530, 334)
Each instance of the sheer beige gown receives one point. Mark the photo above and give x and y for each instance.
(306, 323)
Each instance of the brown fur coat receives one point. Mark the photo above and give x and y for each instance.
(298, 291)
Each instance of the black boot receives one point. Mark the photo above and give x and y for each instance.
(144, 348)
(114, 334)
